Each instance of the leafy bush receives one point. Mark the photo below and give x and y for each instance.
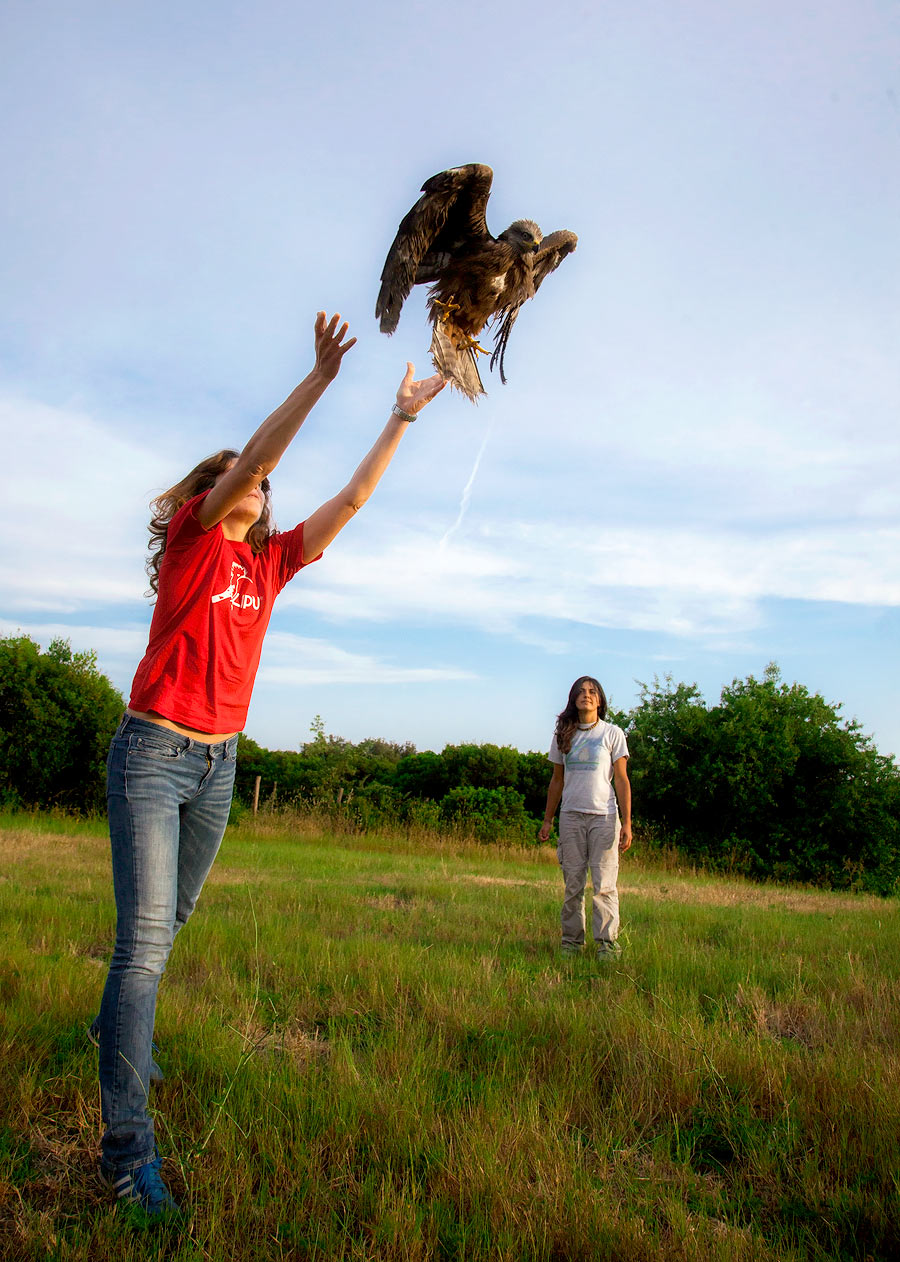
(423, 775)
(326, 769)
(489, 814)
(770, 781)
(532, 781)
(481, 766)
(57, 715)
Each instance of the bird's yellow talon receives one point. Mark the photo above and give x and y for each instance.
(447, 307)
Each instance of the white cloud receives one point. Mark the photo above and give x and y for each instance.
(72, 508)
(293, 660)
(124, 644)
(496, 573)
(679, 581)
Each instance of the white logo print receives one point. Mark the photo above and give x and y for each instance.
(238, 599)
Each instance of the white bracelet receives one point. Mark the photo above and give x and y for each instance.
(404, 416)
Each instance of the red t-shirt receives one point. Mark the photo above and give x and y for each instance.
(213, 607)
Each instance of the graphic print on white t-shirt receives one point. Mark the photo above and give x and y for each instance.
(586, 755)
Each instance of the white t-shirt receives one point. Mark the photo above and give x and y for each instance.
(588, 767)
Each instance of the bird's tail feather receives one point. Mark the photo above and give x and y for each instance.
(459, 367)
(501, 337)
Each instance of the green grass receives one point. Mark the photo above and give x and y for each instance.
(374, 1051)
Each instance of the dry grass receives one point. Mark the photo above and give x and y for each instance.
(738, 892)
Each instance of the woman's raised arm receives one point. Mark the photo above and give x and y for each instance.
(262, 453)
(321, 526)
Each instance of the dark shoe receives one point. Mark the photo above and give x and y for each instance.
(156, 1074)
(608, 951)
(144, 1187)
(569, 951)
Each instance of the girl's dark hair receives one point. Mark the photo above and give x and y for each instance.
(567, 719)
(200, 479)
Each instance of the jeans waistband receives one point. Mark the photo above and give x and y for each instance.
(213, 749)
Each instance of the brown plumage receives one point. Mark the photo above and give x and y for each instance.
(475, 278)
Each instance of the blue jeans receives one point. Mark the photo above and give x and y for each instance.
(168, 799)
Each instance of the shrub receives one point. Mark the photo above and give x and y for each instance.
(57, 716)
(770, 782)
(489, 814)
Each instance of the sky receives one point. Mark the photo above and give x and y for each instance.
(692, 470)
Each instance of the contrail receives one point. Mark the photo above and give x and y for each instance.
(467, 489)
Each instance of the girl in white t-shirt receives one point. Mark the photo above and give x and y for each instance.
(590, 780)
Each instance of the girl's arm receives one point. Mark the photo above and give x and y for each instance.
(554, 796)
(271, 440)
(623, 797)
(321, 526)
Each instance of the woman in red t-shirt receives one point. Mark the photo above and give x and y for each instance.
(216, 568)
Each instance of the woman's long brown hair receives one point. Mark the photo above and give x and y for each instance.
(200, 479)
(567, 719)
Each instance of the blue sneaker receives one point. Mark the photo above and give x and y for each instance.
(156, 1074)
(144, 1187)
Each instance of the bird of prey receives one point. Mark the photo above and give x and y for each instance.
(475, 278)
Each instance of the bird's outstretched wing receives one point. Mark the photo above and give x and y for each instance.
(447, 219)
(550, 253)
(546, 259)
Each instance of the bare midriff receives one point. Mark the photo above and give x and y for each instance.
(206, 738)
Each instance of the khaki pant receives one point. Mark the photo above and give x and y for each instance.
(589, 842)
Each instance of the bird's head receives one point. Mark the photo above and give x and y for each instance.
(524, 235)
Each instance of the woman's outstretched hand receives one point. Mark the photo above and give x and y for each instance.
(330, 345)
(412, 396)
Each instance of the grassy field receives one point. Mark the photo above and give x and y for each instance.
(376, 1052)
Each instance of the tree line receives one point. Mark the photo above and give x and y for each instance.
(493, 793)
(769, 781)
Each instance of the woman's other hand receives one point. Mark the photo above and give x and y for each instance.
(412, 396)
